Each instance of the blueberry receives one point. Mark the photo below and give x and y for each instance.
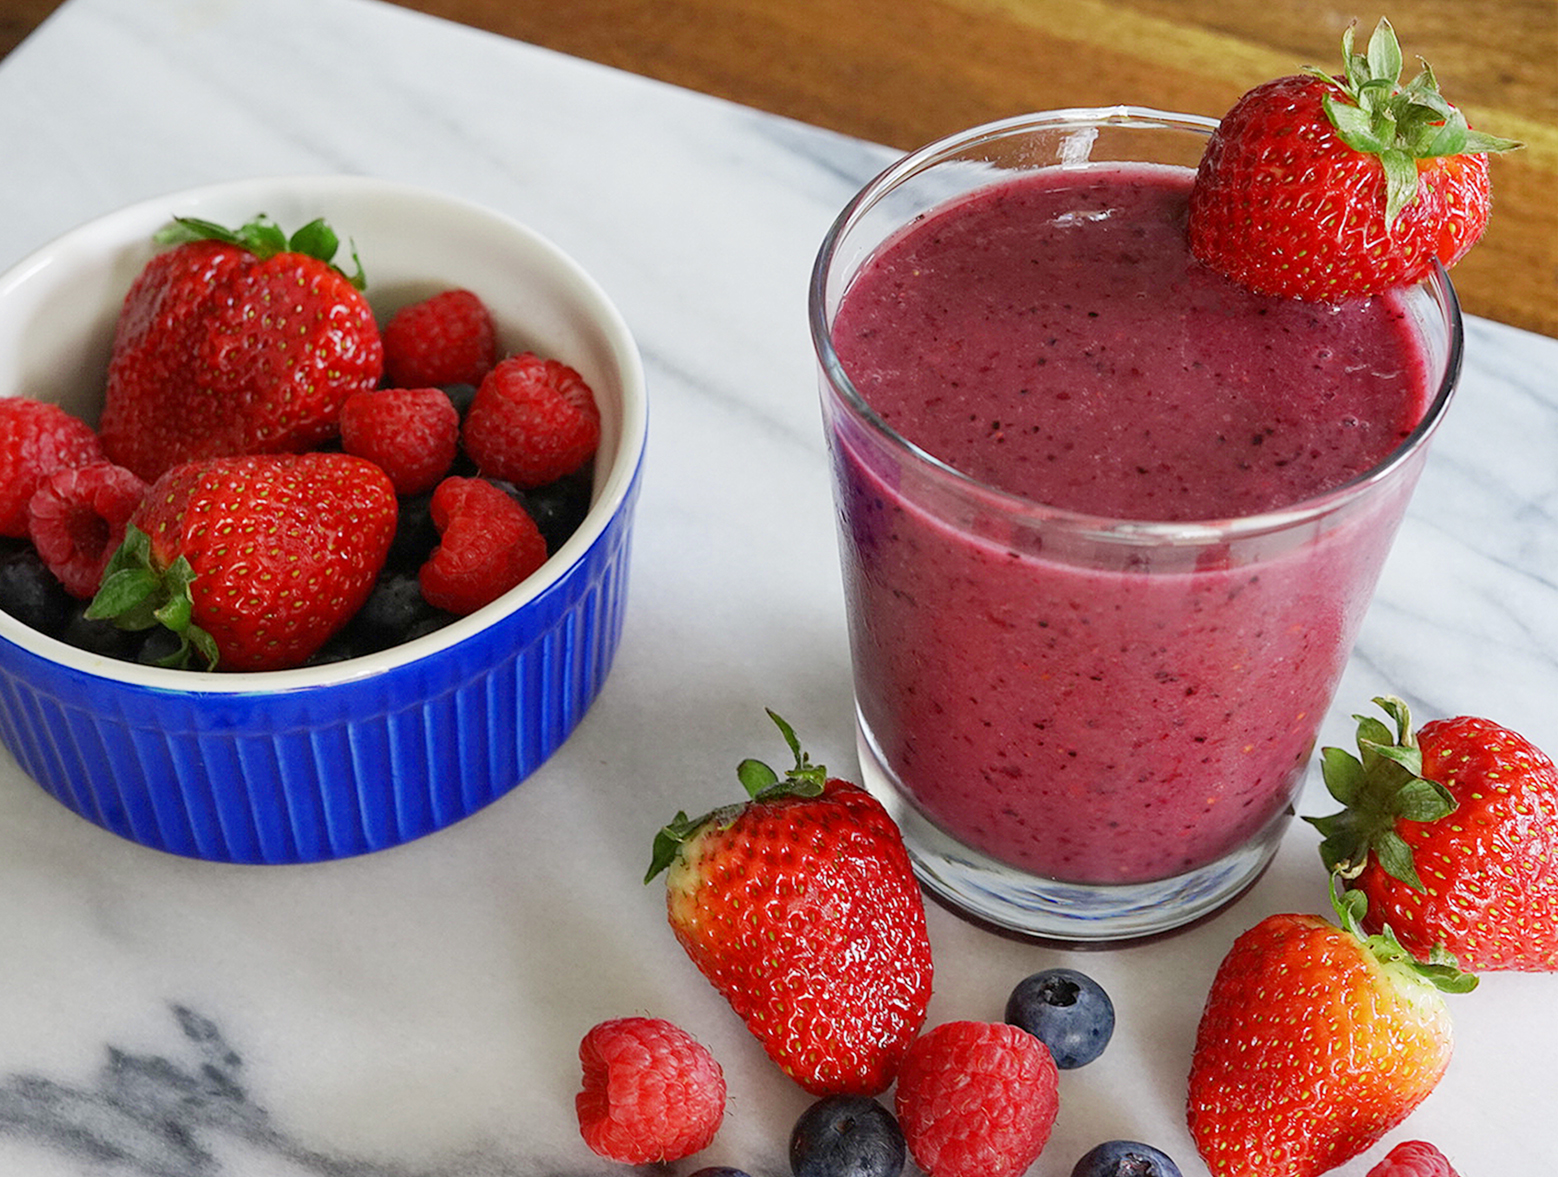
(559, 507)
(720, 1171)
(101, 636)
(1066, 1010)
(415, 535)
(31, 593)
(846, 1136)
(162, 647)
(394, 609)
(461, 396)
(1125, 1158)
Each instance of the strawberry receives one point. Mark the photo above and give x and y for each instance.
(801, 908)
(235, 342)
(254, 561)
(1452, 834)
(1314, 1042)
(1332, 188)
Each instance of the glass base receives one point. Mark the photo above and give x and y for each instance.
(1010, 900)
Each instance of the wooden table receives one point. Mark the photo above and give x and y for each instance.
(903, 72)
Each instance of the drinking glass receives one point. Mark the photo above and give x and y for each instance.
(1089, 729)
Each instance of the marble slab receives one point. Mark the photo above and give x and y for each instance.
(416, 1013)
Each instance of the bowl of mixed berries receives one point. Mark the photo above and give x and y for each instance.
(316, 498)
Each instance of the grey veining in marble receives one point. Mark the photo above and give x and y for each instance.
(417, 1013)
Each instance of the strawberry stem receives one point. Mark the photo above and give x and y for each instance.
(1374, 114)
(265, 239)
(136, 595)
(1440, 970)
(761, 783)
(1379, 787)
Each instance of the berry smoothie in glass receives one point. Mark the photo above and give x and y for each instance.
(1109, 522)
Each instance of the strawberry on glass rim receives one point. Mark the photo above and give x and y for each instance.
(1326, 188)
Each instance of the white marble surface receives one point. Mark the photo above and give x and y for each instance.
(416, 1013)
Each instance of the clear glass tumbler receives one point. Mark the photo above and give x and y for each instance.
(1089, 728)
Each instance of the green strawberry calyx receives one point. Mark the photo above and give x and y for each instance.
(1440, 970)
(1373, 113)
(761, 783)
(137, 595)
(265, 239)
(1380, 786)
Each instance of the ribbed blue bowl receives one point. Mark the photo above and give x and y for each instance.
(337, 760)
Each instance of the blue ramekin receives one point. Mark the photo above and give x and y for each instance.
(342, 759)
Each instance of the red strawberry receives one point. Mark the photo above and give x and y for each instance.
(651, 1092)
(1315, 1041)
(1414, 1158)
(236, 342)
(1452, 835)
(412, 434)
(533, 421)
(487, 544)
(77, 519)
(254, 560)
(36, 439)
(446, 339)
(1324, 188)
(801, 909)
(977, 1099)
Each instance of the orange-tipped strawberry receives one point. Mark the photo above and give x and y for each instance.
(801, 908)
(1315, 1041)
(1452, 834)
(1332, 188)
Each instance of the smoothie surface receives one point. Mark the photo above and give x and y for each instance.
(1052, 336)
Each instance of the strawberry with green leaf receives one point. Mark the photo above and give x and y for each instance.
(1316, 1039)
(801, 908)
(1329, 188)
(1452, 834)
(252, 561)
(236, 342)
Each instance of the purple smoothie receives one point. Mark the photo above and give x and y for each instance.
(1078, 713)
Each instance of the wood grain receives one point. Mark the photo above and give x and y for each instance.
(903, 72)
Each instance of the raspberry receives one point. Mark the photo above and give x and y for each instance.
(77, 518)
(1414, 1158)
(487, 545)
(652, 1093)
(36, 439)
(976, 1099)
(533, 421)
(446, 339)
(412, 434)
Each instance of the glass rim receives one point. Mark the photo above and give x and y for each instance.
(1099, 528)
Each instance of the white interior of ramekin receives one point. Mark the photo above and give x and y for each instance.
(59, 304)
